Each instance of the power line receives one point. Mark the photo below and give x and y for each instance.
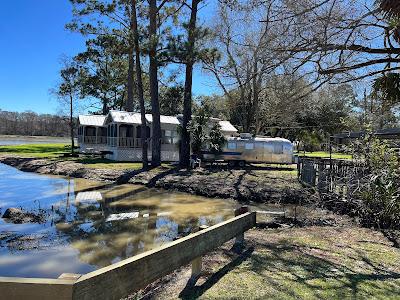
(298, 127)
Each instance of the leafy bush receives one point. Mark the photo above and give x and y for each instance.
(380, 188)
(217, 139)
(198, 128)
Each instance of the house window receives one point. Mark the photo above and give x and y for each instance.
(232, 146)
(169, 136)
(249, 146)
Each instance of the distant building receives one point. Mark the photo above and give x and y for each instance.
(119, 132)
(345, 137)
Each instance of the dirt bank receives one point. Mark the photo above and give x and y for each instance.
(260, 184)
(19, 216)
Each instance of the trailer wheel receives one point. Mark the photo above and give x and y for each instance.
(231, 163)
(242, 163)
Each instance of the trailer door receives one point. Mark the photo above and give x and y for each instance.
(268, 152)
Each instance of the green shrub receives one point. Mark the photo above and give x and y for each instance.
(217, 139)
(380, 188)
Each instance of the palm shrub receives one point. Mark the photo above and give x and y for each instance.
(198, 129)
(216, 139)
(379, 189)
(390, 9)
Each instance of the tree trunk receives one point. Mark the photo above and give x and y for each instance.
(71, 123)
(129, 100)
(105, 108)
(184, 157)
(153, 70)
(139, 83)
(256, 82)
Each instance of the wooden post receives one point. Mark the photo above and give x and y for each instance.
(196, 268)
(239, 240)
(197, 262)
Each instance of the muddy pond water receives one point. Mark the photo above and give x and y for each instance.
(89, 225)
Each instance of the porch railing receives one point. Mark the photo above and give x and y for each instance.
(95, 139)
(124, 142)
(130, 142)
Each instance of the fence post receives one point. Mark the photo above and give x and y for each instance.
(197, 262)
(298, 167)
(196, 268)
(239, 240)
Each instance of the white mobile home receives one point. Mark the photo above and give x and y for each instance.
(120, 133)
(124, 136)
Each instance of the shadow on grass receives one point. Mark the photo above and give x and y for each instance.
(312, 270)
(192, 292)
(290, 269)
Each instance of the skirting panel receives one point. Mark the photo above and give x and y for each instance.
(92, 147)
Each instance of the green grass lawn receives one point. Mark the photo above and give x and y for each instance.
(315, 263)
(298, 263)
(325, 155)
(36, 150)
(54, 152)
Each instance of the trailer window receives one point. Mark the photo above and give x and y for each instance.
(232, 146)
(278, 149)
(168, 136)
(249, 146)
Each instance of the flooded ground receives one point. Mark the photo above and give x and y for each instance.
(90, 224)
(8, 140)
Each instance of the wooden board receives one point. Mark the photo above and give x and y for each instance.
(35, 288)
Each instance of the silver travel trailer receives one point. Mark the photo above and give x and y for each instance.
(248, 149)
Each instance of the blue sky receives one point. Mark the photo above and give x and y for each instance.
(32, 40)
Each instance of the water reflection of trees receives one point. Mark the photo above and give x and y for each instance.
(163, 216)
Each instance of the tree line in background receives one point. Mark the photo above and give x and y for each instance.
(30, 123)
(288, 68)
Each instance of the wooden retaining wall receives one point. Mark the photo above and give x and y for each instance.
(35, 288)
(132, 274)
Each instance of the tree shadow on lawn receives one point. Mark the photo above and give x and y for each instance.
(288, 270)
(322, 272)
(191, 291)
